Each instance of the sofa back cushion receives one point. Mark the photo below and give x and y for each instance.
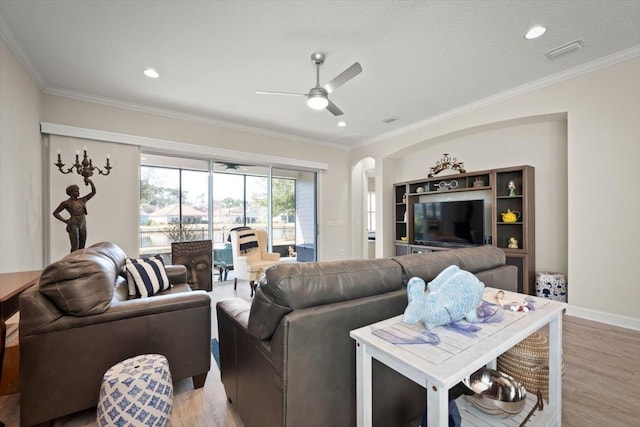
(111, 251)
(290, 286)
(81, 283)
(428, 265)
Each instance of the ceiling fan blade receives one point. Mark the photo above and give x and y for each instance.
(343, 77)
(270, 92)
(333, 109)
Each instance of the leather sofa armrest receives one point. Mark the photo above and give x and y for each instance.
(177, 274)
(236, 310)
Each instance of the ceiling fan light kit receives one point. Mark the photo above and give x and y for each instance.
(318, 96)
(317, 99)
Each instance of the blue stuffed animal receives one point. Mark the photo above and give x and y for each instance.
(453, 295)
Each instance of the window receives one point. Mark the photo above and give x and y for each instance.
(371, 211)
(239, 199)
(173, 207)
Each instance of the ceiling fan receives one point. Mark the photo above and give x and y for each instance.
(318, 96)
(229, 165)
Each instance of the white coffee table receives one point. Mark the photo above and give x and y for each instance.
(440, 367)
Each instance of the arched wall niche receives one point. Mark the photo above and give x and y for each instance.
(539, 141)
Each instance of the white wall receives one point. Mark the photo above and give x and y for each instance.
(333, 194)
(21, 224)
(110, 216)
(603, 170)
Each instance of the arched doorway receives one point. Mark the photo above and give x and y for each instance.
(363, 208)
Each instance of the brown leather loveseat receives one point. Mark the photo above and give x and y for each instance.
(80, 320)
(286, 358)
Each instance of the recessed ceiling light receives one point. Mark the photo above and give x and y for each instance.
(151, 73)
(535, 32)
(342, 124)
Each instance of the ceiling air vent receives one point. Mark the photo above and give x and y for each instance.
(353, 136)
(566, 48)
(390, 119)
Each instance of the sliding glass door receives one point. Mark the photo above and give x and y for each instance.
(239, 198)
(174, 202)
(191, 199)
(294, 213)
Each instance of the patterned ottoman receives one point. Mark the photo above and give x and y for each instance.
(136, 392)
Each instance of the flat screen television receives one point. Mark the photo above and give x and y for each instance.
(450, 223)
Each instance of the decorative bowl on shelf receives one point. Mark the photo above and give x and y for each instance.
(496, 393)
(404, 239)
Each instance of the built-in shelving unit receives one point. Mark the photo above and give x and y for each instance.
(496, 183)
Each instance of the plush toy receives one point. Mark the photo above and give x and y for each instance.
(453, 295)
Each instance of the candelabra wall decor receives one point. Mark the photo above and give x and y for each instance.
(446, 163)
(84, 168)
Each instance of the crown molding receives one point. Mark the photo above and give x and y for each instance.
(589, 67)
(16, 48)
(174, 114)
(176, 147)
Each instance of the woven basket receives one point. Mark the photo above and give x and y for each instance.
(528, 362)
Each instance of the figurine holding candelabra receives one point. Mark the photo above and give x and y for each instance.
(75, 205)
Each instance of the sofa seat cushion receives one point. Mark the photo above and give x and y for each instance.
(290, 286)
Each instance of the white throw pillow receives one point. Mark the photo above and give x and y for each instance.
(146, 276)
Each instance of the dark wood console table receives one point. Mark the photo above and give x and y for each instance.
(11, 286)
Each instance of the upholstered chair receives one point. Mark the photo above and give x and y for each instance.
(250, 256)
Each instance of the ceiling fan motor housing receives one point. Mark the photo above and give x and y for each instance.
(317, 92)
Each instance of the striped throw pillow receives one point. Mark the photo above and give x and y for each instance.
(146, 276)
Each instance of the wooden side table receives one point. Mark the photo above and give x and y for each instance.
(438, 368)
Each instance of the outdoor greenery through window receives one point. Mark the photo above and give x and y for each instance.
(176, 203)
(173, 207)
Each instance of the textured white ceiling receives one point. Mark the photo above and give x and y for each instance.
(421, 59)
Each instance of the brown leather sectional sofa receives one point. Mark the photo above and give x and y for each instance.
(86, 323)
(287, 358)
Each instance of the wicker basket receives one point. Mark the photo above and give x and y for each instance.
(528, 362)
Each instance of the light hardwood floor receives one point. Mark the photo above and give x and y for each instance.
(600, 384)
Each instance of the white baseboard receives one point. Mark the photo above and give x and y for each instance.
(603, 317)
